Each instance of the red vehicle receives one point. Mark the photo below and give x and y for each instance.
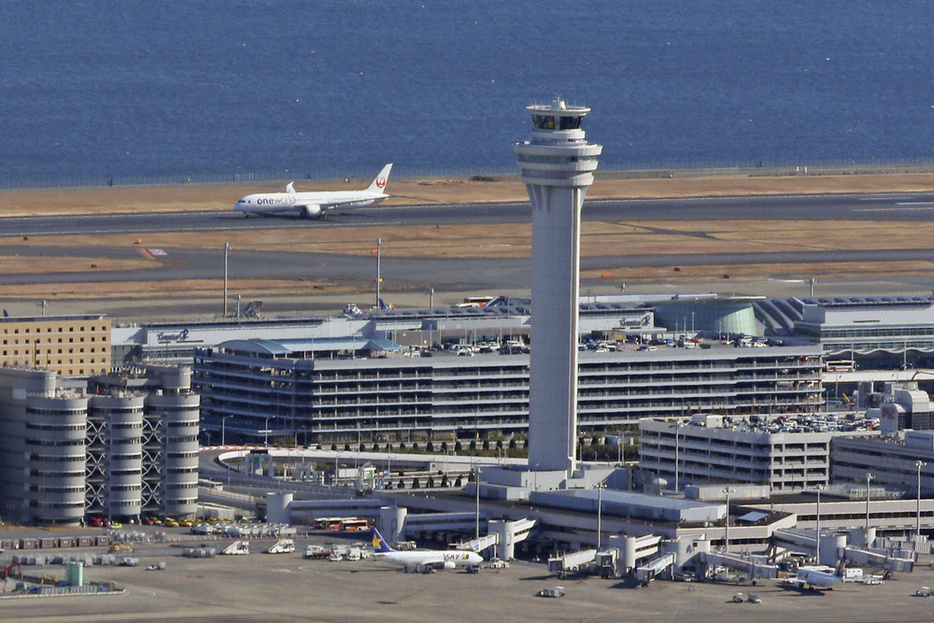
(355, 525)
(345, 524)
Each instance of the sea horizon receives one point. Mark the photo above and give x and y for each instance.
(97, 93)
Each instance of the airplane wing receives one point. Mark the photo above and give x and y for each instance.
(330, 205)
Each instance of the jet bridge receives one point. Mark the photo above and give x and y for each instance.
(753, 567)
(569, 562)
(478, 545)
(502, 533)
(835, 546)
(647, 573)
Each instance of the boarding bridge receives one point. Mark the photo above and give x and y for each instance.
(753, 567)
(915, 544)
(478, 545)
(632, 549)
(608, 563)
(835, 546)
(569, 562)
(510, 533)
(503, 534)
(647, 573)
(890, 561)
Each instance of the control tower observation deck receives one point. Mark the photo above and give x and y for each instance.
(557, 165)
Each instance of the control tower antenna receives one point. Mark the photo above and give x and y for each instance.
(557, 165)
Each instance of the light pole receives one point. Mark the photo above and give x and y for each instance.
(726, 535)
(869, 478)
(600, 487)
(477, 487)
(226, 251)
(919, 465)
(819, 488)
(356, 456)
(224, 429)
(379, 279)
(677, 454)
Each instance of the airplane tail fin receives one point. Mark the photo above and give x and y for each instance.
(379, 545)
(379, 184)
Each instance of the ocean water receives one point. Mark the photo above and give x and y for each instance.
(98, 89)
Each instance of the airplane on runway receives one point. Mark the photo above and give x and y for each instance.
(815, 578)
(315, 204)
(423, 560)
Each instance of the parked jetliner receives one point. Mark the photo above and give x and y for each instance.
(422, 560)
(815, 578)
(315, 204)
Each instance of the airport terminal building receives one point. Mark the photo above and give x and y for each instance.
(867, 331)
(352, 387)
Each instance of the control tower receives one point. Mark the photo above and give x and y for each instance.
(557, 165)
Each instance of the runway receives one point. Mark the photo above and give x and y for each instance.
(484, 272)
(901, 207)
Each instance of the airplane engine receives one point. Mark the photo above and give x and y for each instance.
(311, 211)
(449, 565)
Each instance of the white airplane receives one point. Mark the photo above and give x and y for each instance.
(315, 204)
(423, 560)
(816, 578)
